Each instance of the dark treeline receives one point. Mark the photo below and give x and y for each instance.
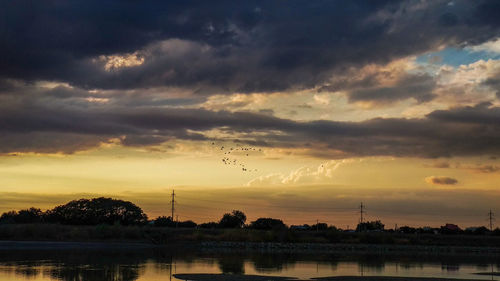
(81, 212)
(109, 211)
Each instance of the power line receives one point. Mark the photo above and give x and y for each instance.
(173, 204)
(311, 208)
(274, 206)
(361, 212)
(361, 208)
(491, 219)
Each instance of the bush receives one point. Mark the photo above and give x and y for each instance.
(370, 226)
(319, 226)
(187, 224)
(163, 222)
(267, 224)
(31, 215)
(407, 230)
(208, 225)
(234, 220)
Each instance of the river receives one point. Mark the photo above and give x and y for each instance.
(149, 264)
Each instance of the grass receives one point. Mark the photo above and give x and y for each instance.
(164, 235)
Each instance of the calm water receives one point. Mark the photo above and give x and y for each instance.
(156, 264)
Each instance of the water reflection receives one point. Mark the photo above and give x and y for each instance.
(161, 264)
(450, 267)
(370, 264)
(232, 264)
(105, 272)
(272, 263)
(73, 265)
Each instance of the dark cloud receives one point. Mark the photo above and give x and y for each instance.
(494, 83)
(267, 111)
(419, 87)
(49, 142)
(442, 180)
(229, 46)
(66, 121)
(481, 113)
(130, 72)
(487, 13)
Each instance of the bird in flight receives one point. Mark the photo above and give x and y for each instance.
(245, 151)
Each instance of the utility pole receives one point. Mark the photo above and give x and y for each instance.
(490, 216)
(361, 212)
(173, 204)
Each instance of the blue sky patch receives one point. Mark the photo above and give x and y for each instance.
(455, 57)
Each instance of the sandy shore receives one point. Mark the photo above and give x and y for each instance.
(234, 277)
(386, 278)
(229, 277)
(488, 273)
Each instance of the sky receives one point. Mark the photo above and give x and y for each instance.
(298, 110)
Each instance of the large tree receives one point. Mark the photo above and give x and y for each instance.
(267, 224)
(31, 215)
(236, 219)
(97, 211)
(370, 226)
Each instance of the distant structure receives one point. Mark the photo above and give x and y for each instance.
(173, 204)
(491, 219)
(361, 212)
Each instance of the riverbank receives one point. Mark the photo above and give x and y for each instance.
(211, 247)
(254, 240)
(330, 248)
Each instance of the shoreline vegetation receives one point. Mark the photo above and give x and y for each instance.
(51, 236)
(110, 220)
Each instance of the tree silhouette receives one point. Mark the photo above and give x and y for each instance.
(31, 215)
(164, 221)
(370, 226)
(97, 211)
(234, 220)
(209, 225)
(267, 224)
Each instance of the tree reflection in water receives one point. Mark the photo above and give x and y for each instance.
(233, 264)
(129, 265)
(75, 265)
(103, 272)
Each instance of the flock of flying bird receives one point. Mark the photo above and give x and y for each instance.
(235, 152)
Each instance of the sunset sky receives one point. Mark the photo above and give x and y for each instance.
(321, 104)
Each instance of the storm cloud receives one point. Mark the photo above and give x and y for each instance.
(419, 87)
(67, 120)
(75, 76)
(251, 46)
